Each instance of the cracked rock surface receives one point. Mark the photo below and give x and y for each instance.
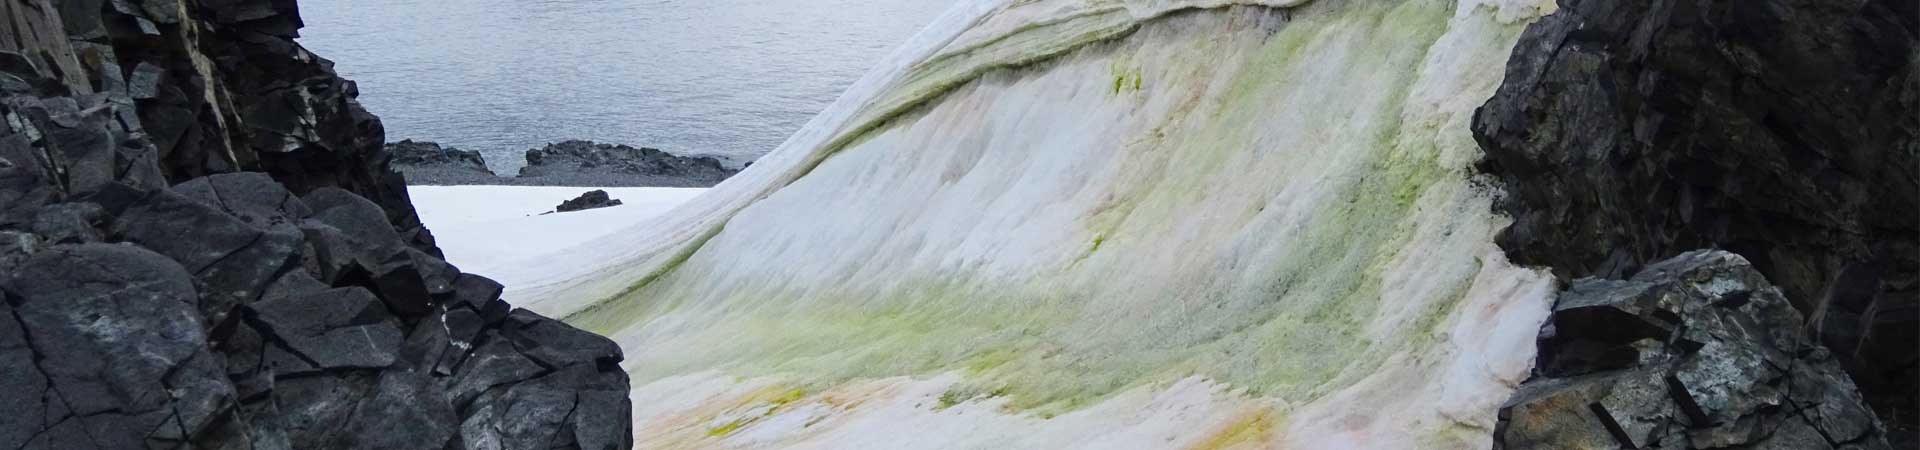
(1696, 352)
(202, 246)
(1787, 131)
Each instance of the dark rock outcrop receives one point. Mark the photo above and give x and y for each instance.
(590, 200)
(570, 163)
(1695, 352)
(202, 246)
(583, 163)
(427, 163)
(109, 349)
(1783, 130)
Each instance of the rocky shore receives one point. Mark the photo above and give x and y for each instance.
(427, 163)
(568, 163)
(202, 246)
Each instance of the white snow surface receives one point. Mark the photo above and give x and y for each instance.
(1059, 224)
(491, 229)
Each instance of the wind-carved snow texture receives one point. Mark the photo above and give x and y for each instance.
(1095, 224)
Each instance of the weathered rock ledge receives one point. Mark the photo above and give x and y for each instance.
(202, 246)
(1697, 352)
(427, 163)
(568, 163)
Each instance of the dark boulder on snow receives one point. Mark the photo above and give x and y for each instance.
(590, 200)
(1695, 352)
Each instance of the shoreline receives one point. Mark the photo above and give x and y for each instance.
(582, 181)
(571, 163)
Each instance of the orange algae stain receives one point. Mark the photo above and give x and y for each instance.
(1250, 430)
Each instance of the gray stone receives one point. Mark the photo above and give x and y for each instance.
(311, 411)
(601, 422)
(427, 163)
(494, 363)
(21, 383)
(475, 292)
(351, 213)
(463, 328)
(336, 328)
(119, 343)
(70, 223)
(252, 196)
(1718, 363)
(1625, 132)
(593, 199)
(526, 415)
(557, 344)
(405, 411)
(236, 256)
(145, 84)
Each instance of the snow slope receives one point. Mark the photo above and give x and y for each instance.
(1095, 224)
(488, 229)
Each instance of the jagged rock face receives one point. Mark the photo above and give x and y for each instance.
(1783, 130)
(596, 198)
(590, 164)
(427, 163)
(280, 294)
(213, 87)
(228, 313)
(1698, 351)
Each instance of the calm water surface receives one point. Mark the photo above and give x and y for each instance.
(730, 78)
